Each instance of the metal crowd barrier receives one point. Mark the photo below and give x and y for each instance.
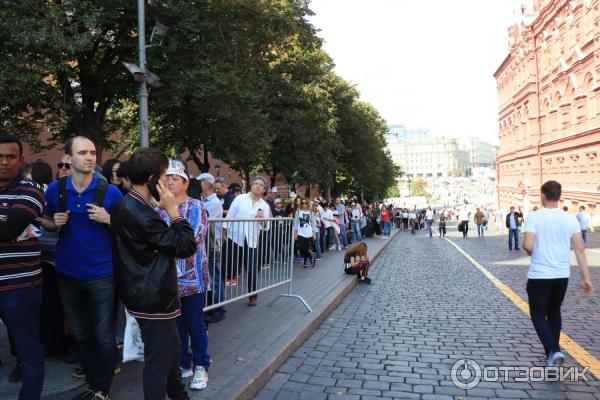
(247, 257)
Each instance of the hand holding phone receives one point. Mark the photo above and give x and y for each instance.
(152, 184)
(167, 201)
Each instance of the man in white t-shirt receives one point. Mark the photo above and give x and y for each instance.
(583, 219)
(429, 219)
(412, 220)
(549, 235)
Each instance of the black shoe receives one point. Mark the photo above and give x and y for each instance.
(313, 260)
(305, 266)
(368, 280)
(517, 248)
(87, 395)
(363, 282)
(212, 319)
(15, 374)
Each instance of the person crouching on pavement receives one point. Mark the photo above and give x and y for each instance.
(144, 252)
(356, 262)
(193, 280)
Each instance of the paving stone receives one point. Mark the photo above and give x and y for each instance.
(429, 316)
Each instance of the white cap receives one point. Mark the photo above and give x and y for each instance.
(206, 177)
(176, 167)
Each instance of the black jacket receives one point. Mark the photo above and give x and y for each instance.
(518, 217)
(144, 252)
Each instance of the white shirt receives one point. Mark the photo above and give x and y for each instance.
(215, 210)
(512, 221)
(242, 207)
(356, 214)
(304, 223)
(327, 214)
(551, 255)
(429, 215)
(583, 219)
(464, 215)
(412, 215)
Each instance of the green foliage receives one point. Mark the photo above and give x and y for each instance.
(418, 187)
(246, 81)
(392, 192)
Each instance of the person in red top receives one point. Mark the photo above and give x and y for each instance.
(21, 205)
(385, 221)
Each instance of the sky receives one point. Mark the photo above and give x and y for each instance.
(424, 64)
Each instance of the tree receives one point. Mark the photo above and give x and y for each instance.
(60, 66)
(418, 187)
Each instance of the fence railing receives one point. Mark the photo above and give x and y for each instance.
(249, 256)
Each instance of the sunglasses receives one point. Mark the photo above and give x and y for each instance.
(304, 203)
(65, 165)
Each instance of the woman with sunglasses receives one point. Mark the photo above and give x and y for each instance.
(64, 167)
(304, 232)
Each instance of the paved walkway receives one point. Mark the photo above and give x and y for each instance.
(428, 308)
(251, 343)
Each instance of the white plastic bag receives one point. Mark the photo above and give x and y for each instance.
(133, 346)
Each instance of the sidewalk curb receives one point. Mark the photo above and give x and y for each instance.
(257, 379)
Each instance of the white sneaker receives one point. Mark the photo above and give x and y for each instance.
(555, 359)
(200, 379)
(186, 373)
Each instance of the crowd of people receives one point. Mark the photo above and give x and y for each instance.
(83, 247)
(89, 245)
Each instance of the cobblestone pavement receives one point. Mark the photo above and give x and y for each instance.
(581, 315)
(427, 308)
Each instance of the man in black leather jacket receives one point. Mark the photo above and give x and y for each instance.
(144, 249)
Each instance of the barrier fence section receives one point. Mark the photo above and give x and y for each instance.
(247, 257)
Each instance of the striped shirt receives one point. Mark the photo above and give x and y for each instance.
(21, 206)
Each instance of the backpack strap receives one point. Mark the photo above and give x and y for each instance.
(62, 194)
(100, 192)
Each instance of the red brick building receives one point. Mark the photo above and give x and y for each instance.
(549, 116)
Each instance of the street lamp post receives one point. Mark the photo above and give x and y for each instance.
(143, 92)
(140, 73)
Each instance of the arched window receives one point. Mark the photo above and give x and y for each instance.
(545, 119)
(557, 120)
(592, 100)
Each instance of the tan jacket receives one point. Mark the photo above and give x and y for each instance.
(479, 217)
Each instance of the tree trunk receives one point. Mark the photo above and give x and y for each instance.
(245, 172)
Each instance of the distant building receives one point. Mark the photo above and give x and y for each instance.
(549, 115)
(479, 153)
(429, 158)
(400, 132)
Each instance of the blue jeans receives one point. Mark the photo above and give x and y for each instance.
(90, 312)
(317, 244)
(430, 227)
(480, 229)
(343, 234)
(386, 228)
(584, 235)
(218, 285)
(356, 230)
(191, 327)
(20, 311)
(513, 233)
